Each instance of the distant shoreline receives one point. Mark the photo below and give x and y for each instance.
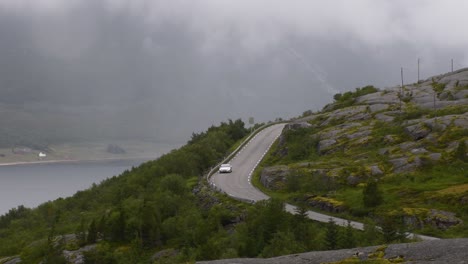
(19, 163)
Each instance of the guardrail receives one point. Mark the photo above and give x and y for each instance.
(230, 156)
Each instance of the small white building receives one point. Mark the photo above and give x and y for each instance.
(42, 155)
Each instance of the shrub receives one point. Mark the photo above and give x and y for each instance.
(437, 87)
(348, 98)
(460, 151)
(372, 196)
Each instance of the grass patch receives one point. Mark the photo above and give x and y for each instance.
(454, 190)
(449, 110)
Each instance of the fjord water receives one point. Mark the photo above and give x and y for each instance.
(33, 184)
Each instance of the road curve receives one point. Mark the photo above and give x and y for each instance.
(238, 185)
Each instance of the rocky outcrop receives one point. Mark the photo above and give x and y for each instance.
(325, 145)
(434, 251)
(405, 164)
(326, 204)
(380, 98)
(76, 256)
(358, 112)
(418, 131)
(271, 177)
(297, 125)
(421, 217)
(359, 134)
(378, 107)
(442, 219)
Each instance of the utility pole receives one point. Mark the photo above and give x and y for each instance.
(452, 65)
(418, 70)
(401, 88)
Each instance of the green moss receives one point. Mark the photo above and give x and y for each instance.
(418, 212)
(438, 87)
(449, 110)
(453, 133)
(331, 201)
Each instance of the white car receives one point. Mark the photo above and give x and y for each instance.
(225, 168)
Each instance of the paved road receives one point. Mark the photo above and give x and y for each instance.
(237, 184)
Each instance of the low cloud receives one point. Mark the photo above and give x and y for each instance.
(161, 64)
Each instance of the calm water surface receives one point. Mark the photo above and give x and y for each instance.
(33, 184)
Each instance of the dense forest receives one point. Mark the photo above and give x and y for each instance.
(163, 212)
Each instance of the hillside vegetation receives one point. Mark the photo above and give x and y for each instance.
(394, 156)
(163, 212)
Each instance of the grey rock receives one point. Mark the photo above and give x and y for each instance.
(403, 165)
(346, 113)
(418, 131)
(407, 145)
(441, 104)
(419, 151)
(349, 125)
(433, 251)
(76, 256)
(378, 107)
(332, 133)
(385, 97)
(363, 140)
(384, 151)
(359, 116)
(461, 121)
(389, 139)
(383, 117)
(462, 94)
(442, 219)
(353, 180)
(325, 144)
(435, 156)
(376, 171)
(336, 131)
(271, 176)
(297, 125)
(325, 205)
(359, 134)
(459, 75)
(432, 138)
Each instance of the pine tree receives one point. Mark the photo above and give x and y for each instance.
(331, 235)
(92, 233)
(347, 239)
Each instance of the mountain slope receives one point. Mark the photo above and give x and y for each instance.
(395, 155)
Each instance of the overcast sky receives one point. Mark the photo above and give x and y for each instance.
(166, 68)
